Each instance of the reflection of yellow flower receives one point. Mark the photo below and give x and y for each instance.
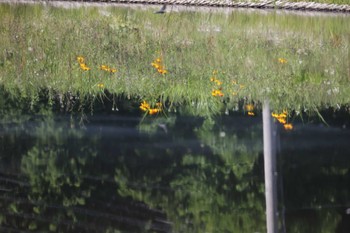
(282, 118)
(288, 126)
(153, 111)
(282, 60)
(144, 106)
(249, 107)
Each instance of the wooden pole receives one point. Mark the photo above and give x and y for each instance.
(269, 129)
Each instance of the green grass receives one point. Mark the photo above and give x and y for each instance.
(39, 46)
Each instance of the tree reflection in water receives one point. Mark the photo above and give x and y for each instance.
(123, 174)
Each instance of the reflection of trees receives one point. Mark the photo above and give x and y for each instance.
(316, 179)
(114, 175)
(202, 191)
(66, 186)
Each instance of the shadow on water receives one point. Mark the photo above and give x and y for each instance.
(120, 172)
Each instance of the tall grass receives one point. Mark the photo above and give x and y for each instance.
(297, 62)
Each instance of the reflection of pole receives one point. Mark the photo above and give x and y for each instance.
(270, 169)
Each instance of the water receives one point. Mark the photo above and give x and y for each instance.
(122, 173)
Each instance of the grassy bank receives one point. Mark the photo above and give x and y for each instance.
(195, 59)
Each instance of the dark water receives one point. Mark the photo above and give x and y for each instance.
(122, 173)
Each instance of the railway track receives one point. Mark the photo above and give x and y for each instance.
(258, 4)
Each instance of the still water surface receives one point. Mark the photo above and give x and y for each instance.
(122, 173)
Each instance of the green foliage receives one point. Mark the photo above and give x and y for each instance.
(244, 47)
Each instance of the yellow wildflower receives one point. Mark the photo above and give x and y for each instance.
(282, 60)
(108, 69)
(144, 106)
(282, 120)
(288, 126)
(157, 63)
(249, 107)
(218, 82)
(100, 85)
(104, 67)
(84, 67)
(80, 59)
(251, 114)
(162, 71)
(217, 93)
(153, 111)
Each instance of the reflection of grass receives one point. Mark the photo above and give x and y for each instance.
(296, 62)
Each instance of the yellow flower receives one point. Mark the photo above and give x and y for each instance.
(288, 126)
(218, 82)
(144, 106)
(155, 65)
(217, 93)
(215, 72)
(80, 59)
(153, 111)
(282, 120)
(249, 107)
(104, 67)
(282, 60)
(162, 71)
(251, 114)
(108, 69)
(100, 85)
(280, 117)
(84, 67)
